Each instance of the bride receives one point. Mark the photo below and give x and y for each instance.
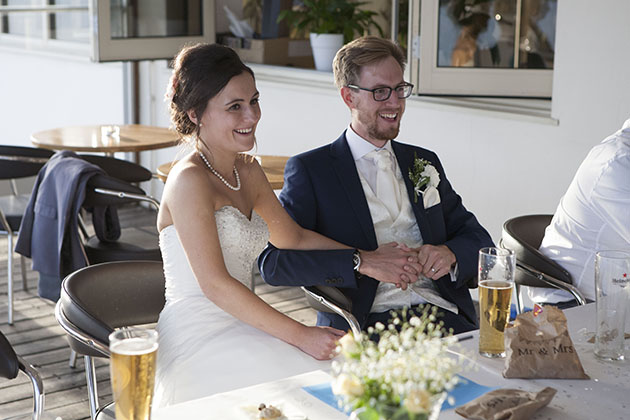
(218, 211)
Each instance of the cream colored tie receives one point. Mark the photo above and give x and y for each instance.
(387, 189)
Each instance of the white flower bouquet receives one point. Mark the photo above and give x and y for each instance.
(403, 376)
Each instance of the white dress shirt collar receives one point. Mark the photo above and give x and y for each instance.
(360, 147)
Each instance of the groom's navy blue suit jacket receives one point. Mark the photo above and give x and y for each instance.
(322, 192)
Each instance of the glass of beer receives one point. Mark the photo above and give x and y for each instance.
(132, 368)
(496, 280)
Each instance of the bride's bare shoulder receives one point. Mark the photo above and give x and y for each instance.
(185, 168)
(186, 175)
(248, 166)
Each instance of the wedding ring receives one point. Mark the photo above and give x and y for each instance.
(433, 270)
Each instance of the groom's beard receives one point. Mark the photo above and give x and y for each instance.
(383, 131)
(383, 134)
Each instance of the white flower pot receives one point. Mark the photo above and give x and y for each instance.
(325, 46)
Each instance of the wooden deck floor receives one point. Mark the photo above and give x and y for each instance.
(38, 338)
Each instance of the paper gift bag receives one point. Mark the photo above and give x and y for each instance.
(539, 346)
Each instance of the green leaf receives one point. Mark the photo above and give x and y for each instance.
(332, 16)
(368, 413)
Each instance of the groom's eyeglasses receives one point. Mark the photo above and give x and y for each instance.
(381, 94)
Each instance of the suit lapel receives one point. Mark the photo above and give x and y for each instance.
(405, 155)
(348, 178)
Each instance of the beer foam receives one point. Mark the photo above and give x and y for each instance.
(133, 346)
(496, 284)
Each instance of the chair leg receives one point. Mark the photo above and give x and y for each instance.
(72, 362)
(23, 266)
(90, 377)
(38, 388)
(519, 299)
(10, 278)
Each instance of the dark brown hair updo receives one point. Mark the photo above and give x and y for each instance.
(200, 72)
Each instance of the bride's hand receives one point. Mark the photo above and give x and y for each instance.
(320, 342)
(391, 263)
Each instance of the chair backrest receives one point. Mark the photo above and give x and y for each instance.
(9, 365)
(21, 162)
(120, 169)
(332, 295)
(120, 174)
(99, 298)
(524, 235)
(331, 299)
(107, 182)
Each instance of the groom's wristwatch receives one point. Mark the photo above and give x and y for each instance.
(356, 262)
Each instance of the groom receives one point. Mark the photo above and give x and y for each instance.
(358, 191)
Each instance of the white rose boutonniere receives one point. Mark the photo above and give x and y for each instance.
(423, 175)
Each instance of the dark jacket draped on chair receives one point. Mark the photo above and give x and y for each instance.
(49, 233)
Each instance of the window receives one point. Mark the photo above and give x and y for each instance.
(483, 47)
(44, 23)
(123, 29)
(149, 29)
(71, 26)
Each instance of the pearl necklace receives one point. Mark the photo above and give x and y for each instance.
(227, 184)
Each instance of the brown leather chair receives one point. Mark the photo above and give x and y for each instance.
(99, 298)
(524, 235)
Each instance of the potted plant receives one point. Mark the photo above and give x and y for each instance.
(404, 375)
(330, 23)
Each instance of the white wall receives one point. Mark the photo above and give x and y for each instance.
(41, 91)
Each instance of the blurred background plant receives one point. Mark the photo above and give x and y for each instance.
(331, 17)
(252, 11)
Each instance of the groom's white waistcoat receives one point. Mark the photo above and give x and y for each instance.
(402, 228)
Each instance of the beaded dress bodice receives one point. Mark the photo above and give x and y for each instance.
(241, 240)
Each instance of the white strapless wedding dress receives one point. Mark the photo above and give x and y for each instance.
(204, 350)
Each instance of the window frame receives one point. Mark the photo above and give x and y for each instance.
(433, 80)
(132, 49)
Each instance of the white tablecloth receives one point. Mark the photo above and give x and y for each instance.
(605, 396)
(287, 394)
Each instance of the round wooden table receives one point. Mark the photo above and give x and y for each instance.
(273, 166)
(95, 138)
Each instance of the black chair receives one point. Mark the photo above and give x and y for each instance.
(15, 163)
(99, 298)
(11, 364)
(524, 235)
(117, 188)
(330, 299)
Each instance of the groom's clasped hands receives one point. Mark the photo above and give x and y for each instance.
(396, 263)
(391, 263)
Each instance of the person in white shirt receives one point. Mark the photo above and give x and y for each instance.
(593, 215)
(367, 190)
